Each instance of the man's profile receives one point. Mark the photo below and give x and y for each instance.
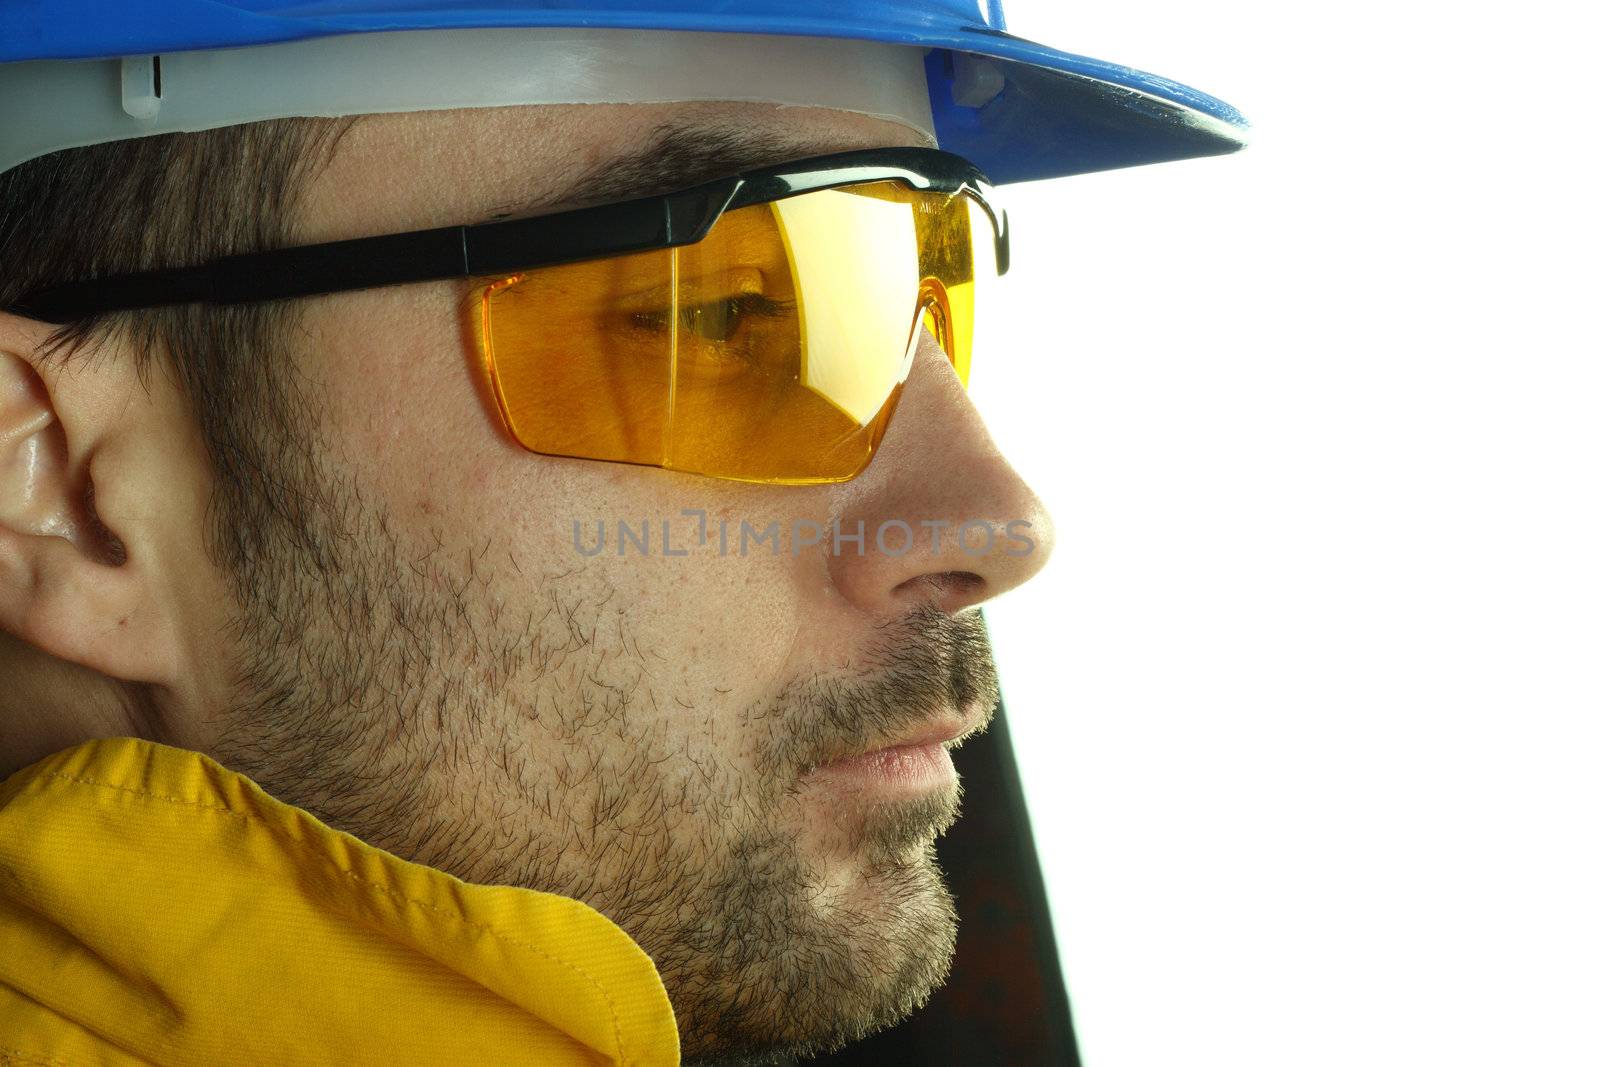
(329, 344)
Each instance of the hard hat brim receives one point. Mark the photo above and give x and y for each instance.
(1020, 110)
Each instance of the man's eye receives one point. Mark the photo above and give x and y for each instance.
(716, 320)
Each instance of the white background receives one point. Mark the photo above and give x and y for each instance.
(1305, 704)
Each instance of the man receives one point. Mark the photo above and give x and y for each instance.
(503, 642)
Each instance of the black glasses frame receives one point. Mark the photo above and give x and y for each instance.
(514, 246)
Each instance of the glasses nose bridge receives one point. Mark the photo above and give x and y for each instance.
(934, 311)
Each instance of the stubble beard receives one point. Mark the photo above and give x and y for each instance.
(384, 688)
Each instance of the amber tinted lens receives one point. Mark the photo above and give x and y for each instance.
(771, 351)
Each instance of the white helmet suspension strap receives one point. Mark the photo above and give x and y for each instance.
(54, 104)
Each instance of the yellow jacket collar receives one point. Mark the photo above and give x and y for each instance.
(156, 907)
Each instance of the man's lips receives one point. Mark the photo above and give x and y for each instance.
(946, 730)
(902, 766)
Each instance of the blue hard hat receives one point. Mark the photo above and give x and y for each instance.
(1024, 112)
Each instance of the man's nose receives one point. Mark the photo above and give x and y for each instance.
(942, 517)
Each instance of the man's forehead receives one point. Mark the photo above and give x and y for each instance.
(438, 168)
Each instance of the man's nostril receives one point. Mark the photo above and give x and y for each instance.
(943, 583)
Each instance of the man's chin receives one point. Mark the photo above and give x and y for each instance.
(879, 952)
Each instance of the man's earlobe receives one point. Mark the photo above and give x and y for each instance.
(68, 584)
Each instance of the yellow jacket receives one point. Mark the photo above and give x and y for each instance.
(158, 908)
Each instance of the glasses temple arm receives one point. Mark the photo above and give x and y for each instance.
(396, 259)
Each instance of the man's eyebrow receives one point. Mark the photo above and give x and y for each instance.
(676, 157)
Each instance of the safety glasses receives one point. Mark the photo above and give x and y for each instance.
(757, 328)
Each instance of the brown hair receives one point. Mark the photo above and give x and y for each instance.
(175, 200)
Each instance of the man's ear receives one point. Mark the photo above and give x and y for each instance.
(72, 584)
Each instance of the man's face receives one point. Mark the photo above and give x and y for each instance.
(436, 666)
